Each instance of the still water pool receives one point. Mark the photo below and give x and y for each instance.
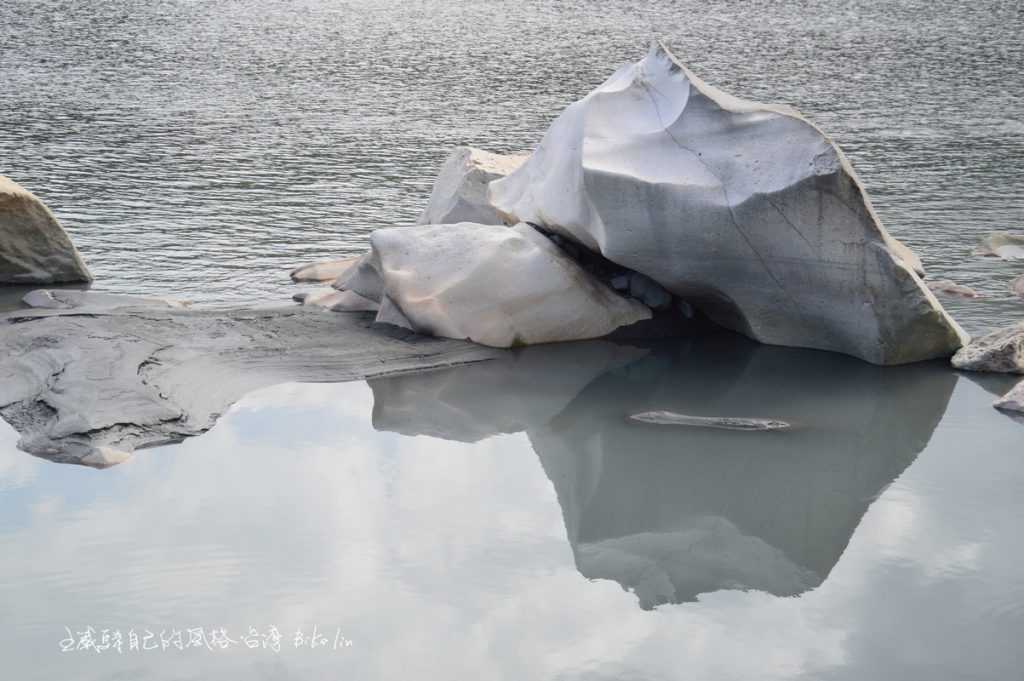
(506, 520)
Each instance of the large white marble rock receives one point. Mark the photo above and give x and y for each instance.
(1001, 351)
(745, 209)
(34, 248)
(460, 190)
(491, 284)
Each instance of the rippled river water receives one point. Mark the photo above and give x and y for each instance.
(202, 149)
(506, 520)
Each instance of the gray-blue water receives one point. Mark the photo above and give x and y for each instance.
(507, 521)
(202, 149)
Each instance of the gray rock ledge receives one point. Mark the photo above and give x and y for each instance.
(93, 384)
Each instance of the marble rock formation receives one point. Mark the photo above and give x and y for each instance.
(1013, 400)
(490, 284)
(1001, 245)
(460, 190)
(1001, 351)
(34, 248)
(319, 272)
(746, 210)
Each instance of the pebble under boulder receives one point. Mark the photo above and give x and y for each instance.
(34, 249)
(746, 210)
(493, 285)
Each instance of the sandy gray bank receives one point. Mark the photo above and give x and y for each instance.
(92, 384)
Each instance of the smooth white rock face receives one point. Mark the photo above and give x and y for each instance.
(34, 248)
(328, 270)
(491, 284)
(1001, 245)
(745, 209)
(1001, 351)
(460, 190)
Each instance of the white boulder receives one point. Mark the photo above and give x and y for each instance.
(1001, 351)
(746, 210)
(460, 190)
(34, 249)
(336, 301)
(1001, 245)
(494, 285)
(951, 288)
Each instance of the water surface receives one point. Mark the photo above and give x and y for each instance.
(451, 530)
(202, 149)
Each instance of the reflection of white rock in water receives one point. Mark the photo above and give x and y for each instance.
(92, 384)
(493, 285)
(949, 287)
(707, 554)
(674, 513)
(745, 209)
(668, 418)
(34, 249)
(1000, 351)
(325, 271)
(517, 391)
(770, 510)
(1013, 400)
(460, 190)
(1001, 245)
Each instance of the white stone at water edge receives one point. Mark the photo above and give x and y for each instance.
(494, 285)
(1013, 400)
(1001, 245)
(746, 210)
(34, 249)
(460, 190)
(1001, 351)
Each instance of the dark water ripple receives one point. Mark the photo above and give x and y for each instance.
(204, 148)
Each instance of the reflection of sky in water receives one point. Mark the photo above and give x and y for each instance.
(443, 559)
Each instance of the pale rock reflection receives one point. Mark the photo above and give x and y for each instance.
(670, 512)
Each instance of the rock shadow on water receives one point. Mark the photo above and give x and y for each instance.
(671, 513)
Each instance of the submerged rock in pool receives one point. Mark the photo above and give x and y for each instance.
(1001, 245)
(493, 285)
(460, 190)
(1000, 351)
(669, 418)
(65, 299)
(34, 248)
(746, 210)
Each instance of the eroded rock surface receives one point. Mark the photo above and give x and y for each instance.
(91, 385)
(324, 271)
(494, 285)
(745, 209)
(460, 190)
(34, 248)
(1000, 351)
